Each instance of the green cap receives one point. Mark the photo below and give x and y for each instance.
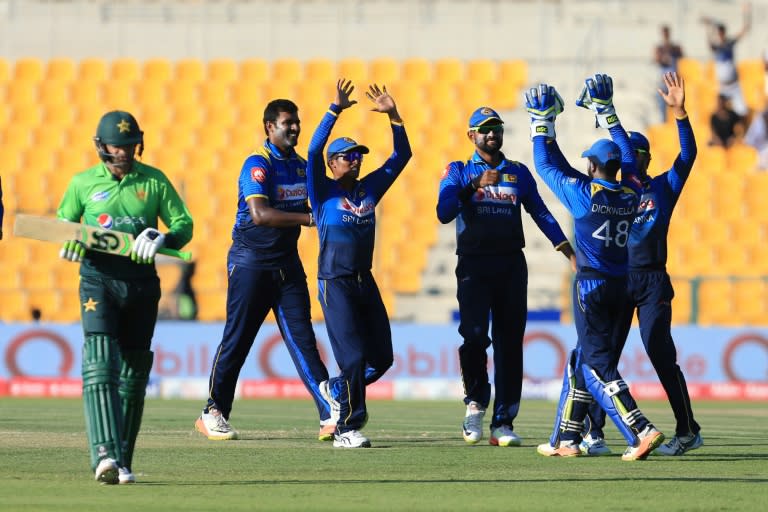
(118, 128)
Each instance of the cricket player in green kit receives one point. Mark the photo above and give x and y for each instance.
(119, 296)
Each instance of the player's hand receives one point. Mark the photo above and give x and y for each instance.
(674, 97)
(146, 245)
(344, 89)
(544, 104)
(597, 95)
(72, 250)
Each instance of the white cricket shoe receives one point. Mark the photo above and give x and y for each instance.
(125, 476)
(504, 436)
(563, 449)
(351, 439)
(107, 471)
(214, 426)
(681, 444)
(649, 439)
(472, 429)
(594, 446)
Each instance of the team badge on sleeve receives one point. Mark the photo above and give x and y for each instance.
(258, 174)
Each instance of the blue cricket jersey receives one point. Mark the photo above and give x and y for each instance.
(281, 179)
(648, 237)
(603, 212)
(346, 221)
(490, 222)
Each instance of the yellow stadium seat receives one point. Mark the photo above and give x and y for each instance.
(732, 260)
(182, 94)
(59, 69)
(254, 72)
(287, 70)
(15, 139)
(415, 71)
(502, 96)
(322, 70)
(681, 305)
(28, 69)
(382, 71)
(91, 70)
(514, 73)
(118, 95)
(212, 305)
(713, 231)
(690, 69)
(151, 94)
(189, 70)
(751, 301)
(19, 93)
(57, 116)
(740, 159)
(87, 95)
(124, 69)
(36, 278)
(220, 118)
(157, 70)
(26, 116)
(353, 69)
(472, 95)
(482, 71)
(449, 70)
(249, 97)
(715, 302)
(215, 94)
(47, 301)
(221, 71)
(69, 306)
(278, 89)
(14, 306)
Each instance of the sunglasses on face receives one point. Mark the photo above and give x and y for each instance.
(351, 156)
(485, 130)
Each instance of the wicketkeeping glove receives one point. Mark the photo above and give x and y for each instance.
(597, 96)
(146, 245)
(72, 250)
(544, 104)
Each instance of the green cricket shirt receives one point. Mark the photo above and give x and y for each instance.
(97, 198)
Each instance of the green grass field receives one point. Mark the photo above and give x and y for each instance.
(418, 462)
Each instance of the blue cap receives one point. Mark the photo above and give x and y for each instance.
(603, 151)
(484, 115)
(343, 145)
(638, 141)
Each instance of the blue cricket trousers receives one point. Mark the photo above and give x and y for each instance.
(251, 293)
(498, 288)
(650, 292)
(358, 328)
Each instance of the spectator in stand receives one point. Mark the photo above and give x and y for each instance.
(666, 56)
(727, 126)
(757, 137)
(722, 48)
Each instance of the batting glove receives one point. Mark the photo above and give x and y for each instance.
(146, 246)
(72, 250)
(544, 104)
(597, 95)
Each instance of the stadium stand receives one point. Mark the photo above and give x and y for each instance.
(51, 103)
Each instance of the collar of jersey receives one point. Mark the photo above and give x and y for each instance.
(275, 151)
(477, 159)
(607, 184)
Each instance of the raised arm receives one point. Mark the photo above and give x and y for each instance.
(674, 97)
(315, 160)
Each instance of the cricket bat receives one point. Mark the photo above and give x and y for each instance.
(94, 238)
